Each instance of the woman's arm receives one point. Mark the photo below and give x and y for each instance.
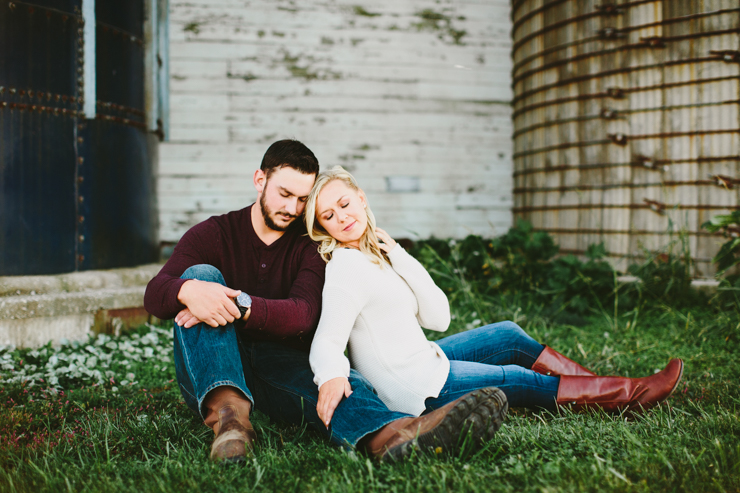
(330, 366)
(434, 309)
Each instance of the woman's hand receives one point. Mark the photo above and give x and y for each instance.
(330, 395)
(388, 242)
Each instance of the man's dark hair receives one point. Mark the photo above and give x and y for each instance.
(292, 154)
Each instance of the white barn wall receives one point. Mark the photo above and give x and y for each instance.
(369, 86)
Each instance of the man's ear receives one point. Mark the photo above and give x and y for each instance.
(260, 180)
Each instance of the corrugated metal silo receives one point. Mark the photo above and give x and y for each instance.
(625, 117)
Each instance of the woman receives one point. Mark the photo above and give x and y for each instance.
(377, 297)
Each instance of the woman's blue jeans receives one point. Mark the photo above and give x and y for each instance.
(497, 355)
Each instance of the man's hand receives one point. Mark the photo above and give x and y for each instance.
(207, 302)
(186, 319)
(330, 395)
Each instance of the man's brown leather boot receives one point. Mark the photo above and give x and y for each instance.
(615, 394)
(228, 416)
(551, 362)
(473, 418)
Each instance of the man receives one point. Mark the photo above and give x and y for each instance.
(244, 289)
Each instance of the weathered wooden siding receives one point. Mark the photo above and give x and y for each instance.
(626, 119)
(390, 89)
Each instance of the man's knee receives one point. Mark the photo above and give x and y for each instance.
(204, 272)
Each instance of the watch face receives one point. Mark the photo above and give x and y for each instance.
(244, 300)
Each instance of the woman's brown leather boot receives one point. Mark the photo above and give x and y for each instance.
(551, 362)
(615, 394)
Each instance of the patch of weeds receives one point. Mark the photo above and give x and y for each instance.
(729, 254)
(248, 77)
(192, 27)
(440, 23)
(303, 69)
(358, 10)
(665, 275)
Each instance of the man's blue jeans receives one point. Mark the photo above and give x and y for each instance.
(497, 355)
(279, 382)
(277, 379)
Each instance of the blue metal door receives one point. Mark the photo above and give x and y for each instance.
(75, 193)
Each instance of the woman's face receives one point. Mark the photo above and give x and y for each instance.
(340, 210)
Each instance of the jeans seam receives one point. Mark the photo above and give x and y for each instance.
(186, 359)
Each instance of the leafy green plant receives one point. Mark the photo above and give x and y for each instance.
(729, 254)
(520, 265)
(666, 274)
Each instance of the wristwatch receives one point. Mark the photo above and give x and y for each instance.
(243, 303)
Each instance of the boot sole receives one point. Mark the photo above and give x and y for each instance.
(473, 420)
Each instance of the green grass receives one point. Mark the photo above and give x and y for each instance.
(117, 423)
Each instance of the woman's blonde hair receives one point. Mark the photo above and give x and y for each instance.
(369, 244)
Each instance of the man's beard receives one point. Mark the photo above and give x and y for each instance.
(266, 215)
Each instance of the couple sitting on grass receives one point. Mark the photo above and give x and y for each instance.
(263, 315)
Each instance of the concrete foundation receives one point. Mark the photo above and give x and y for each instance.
(37, 309)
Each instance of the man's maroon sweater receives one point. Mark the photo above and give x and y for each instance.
(284, 279)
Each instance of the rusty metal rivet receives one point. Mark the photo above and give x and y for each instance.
(31, 10)
(80, 199)
(81, 219)
(615, 92)
(81, 238)
(723, 181)
(619, 139)
(81, 258)
(655, 206)
(609, 9)
(610, 33)
(21, 92)
(608, 113)
(12, 90)
(5, 104)
(11, 5)
(80, 140)
(65, 18)
(653, 41)
(80, 179)
(80, 160)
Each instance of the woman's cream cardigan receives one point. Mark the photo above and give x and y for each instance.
(379, 311)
